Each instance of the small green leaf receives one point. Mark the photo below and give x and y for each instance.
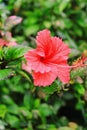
(45, 110)
(14, 109)
(79, 88)
(13, 121)
(7, 100)
(63, 5)
(25, 112)
(80, 104)
(24, 74)
(3, 110)
(37, 103)
(31, 29)
(28, 101)
(14, 52)
(78, 72)
(1, 53)
(65, 128)
(51, 89)
(5, 73)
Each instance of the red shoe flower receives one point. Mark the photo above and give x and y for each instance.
(49, 60)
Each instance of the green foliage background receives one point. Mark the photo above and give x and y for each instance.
(25, 107)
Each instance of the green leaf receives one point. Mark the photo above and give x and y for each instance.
(45, 110)
(5, 73)
(24, 74)
(52, 88)
(71, 41)
(25, 112)
(63, 5)
(15, 63)
(3, 110)
(37, 103)
(79, 88)
(14, 109)
(78, 31)
(67, 22)
(12, 53)
(80, 104)
(28, 101)
(13, 120)
(1, 54)
(78, 72)
(65, 128)
(7, 100)
(31, 29)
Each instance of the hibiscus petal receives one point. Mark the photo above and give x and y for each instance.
(61, 49)
(44, 42)
(59, 52)
(34, 59)
(26, 67)
(63, 73)
(44, 79)
(43, 38)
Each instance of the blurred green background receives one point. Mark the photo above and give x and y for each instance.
(23, 107)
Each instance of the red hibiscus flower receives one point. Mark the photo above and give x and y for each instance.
(49, 60)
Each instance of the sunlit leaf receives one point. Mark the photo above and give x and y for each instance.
(3, 110)
(12, 53)
(5, 73)
(13, 120)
